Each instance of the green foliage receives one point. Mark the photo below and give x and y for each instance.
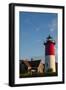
(50, 70)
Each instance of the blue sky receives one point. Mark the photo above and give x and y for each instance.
(34, 29)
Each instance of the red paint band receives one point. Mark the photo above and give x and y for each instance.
(49, 49)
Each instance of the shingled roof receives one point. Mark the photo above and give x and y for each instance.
(34, 63)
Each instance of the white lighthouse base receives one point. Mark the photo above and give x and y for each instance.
(50, 63)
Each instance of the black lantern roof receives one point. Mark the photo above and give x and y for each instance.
(49, 39)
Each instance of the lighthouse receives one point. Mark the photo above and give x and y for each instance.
(50, 54)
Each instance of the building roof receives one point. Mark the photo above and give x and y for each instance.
(34, 63)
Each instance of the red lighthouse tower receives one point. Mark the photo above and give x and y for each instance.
(50, 54)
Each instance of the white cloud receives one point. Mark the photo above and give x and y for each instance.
(39, 40)
(37, 29)
(51, 29)
(53, 25)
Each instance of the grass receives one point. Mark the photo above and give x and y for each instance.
(36, 74)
